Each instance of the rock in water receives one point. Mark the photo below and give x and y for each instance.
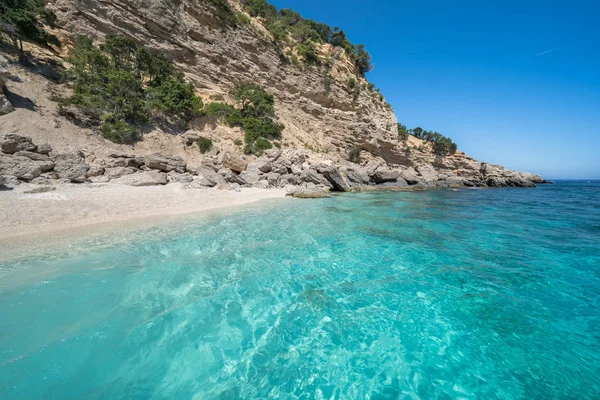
(70, 166)
(337, 179)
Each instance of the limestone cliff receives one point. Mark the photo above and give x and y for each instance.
(318, 109)
(324, 116)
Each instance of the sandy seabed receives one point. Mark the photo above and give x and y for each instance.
(72, 211)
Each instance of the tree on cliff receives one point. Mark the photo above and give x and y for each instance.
(24, 20)
(121, 84)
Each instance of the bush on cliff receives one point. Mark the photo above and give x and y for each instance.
(24, 20)
(442, 145)
(287, 22)
(204, 144)
(121, 83)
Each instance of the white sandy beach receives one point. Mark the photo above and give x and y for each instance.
(71, 210)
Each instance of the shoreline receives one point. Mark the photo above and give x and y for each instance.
(32, 223)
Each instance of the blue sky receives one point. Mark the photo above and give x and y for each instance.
(473, 71)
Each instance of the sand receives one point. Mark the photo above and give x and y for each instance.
(74, 210)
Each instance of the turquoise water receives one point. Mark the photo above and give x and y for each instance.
(488, 294)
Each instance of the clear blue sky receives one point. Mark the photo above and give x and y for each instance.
(474, 71)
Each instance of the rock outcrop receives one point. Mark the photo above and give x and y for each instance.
(5, 105)
(302, 174)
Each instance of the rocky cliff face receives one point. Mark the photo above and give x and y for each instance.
(324, 117)
(316, 106)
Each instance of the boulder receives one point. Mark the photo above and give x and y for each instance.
(273, 154)
(10, 181)
(233, 162)
(146, 178)
(12, 143)
(118, 172)
(264, 165)
(33, 156)
(251, 177)
(5, 106)
(295, 156)
(176, 177)
(132, 162)
(70, 166)
(337, 179)
(357, 175)
(44, 148)
(95, 170)
(232, 177)
(410, 176)
(213, 178)
(308, 192)
(290, 179)
(428, 173)
(273, 179)
(312, 176)
(200, 182)
(397, 184)
(165, 163)
(385, 174)
(21, 167)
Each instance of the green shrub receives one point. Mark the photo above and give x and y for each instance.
(24, 20)
(402, 132)
(238, 142)
(242, 19)
(204, 144)
(119, 131)
(308, 52)
(327, 82)
(295, 60)
(255, 116)
(120, 80)
(176, 97)
(219, 110)
(224, 12)
(351, 83)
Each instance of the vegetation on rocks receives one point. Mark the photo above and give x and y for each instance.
(120, 84)
(24, 20)
(442, 145)
(287, 23)
(204, 144)
(255, 115)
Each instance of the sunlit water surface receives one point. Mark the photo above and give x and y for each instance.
(489, 294)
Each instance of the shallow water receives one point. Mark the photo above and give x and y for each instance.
(473, 294)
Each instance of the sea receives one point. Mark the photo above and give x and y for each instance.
(468, 294)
